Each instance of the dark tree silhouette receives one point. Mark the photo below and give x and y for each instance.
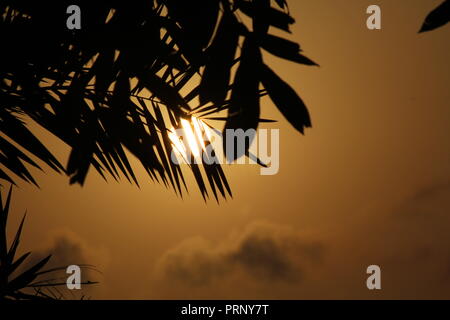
(87, 86)
(437, 18)
(30, 283)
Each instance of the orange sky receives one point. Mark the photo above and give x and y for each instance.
(368, 184)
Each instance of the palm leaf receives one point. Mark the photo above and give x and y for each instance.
(87, 88)
(437, 18)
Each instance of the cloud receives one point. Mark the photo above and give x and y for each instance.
(425, 219)
(431, 202)
(262, 252)
(409, 240)
(432, 190)
(67, 248)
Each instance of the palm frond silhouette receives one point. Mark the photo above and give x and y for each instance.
(437, 18)
(132, 72)
(33, 282)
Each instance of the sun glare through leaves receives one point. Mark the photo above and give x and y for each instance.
(191, 138)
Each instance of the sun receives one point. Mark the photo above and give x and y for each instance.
(191, 138)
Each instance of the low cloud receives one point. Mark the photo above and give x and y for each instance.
(67, 248)
(262, 253)
(409, 240)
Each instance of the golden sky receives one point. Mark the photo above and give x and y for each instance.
(368, 184)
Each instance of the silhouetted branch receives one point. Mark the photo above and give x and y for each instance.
(437, 18)
(90, 87)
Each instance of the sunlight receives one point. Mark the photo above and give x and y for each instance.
(196, 133)
(191, 137)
